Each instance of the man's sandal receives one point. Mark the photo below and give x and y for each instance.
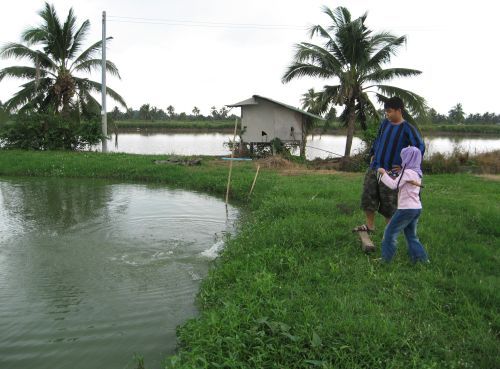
(363, 228)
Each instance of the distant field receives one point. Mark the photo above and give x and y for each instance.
(462, 128)
(174, 124)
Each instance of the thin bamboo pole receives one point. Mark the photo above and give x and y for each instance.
(254, 180)
(231, 161)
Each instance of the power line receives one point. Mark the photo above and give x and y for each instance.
(204, 24)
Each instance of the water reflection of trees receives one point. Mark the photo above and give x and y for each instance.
(47, 272)
(55, 203)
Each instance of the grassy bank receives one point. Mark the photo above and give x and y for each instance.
(214, 125)
(334, 127)
(293, 290)
(426, 129)
(489, 129)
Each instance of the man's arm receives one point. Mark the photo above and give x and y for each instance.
(415, 139)
(376, 141)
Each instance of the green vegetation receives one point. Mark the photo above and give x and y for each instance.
(461, 128)
(49, 132)
(425, 127)
(53, 51)
(148, 112)
(177, 124)
(293, 290)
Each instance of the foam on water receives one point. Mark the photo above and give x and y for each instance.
(214, 250)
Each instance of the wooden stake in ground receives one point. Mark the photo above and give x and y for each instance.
(254, 180)
(231, 161)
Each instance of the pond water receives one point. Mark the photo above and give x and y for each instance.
(157, 142)
(92, 272)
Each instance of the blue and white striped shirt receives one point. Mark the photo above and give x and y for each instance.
(391, 139)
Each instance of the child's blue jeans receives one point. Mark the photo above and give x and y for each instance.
(403, 220)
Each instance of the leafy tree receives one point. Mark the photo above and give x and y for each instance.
(456, 114)
(310, 101)
(54, 52)
(214, 112)
(223, 112)
(355, 56)
(196, 111)
(116, 114)
(145, 112)
(171, 111)
(160, 114)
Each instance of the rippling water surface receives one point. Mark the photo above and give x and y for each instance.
(92, 272)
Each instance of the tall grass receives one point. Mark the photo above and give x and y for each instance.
(462, 161)
(293, 290)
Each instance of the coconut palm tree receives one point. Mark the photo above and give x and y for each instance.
(54, 52)
(310, 101)
(353, 56)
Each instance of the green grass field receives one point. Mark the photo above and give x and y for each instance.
(292, 288)
(487, 129)
(176, 124)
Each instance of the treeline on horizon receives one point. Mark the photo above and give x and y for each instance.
(147, 112)
(151, 113)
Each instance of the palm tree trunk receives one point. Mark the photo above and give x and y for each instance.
(350, 131)
(303, 139)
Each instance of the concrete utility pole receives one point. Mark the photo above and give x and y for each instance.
(103, 90)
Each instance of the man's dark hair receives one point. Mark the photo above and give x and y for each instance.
(394, 103)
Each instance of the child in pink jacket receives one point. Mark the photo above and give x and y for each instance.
(409, 207)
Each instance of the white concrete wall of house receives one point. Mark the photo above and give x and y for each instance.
(271, 118)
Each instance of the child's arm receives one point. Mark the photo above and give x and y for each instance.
(388, 180)
(415, 183)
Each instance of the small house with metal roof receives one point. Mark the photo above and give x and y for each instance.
(263, 119)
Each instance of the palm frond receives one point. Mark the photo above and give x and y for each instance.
(67, 34)
(89, 53)
(331, 45)
(302, 69)
(23, 72)
(89, 85)
(383, 55)
(390, 73)
(78, 39)
(54, 43)
(340, 16)
(330, 95)
(316, 55)
(30, 92)
(89, 105)
(415, 103)
(365, 110)
(96, 64)
(19, 51)
(381, 39)
(34, 35)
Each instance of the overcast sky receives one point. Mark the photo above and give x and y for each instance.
(455, 45)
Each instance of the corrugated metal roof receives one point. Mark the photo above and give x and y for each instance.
(253, 101)
(250, 101)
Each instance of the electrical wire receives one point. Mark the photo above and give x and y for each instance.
(203, 24)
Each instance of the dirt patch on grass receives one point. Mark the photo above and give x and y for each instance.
(491, 177)
(277, 162)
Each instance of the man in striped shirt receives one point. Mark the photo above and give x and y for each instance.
(394, 134)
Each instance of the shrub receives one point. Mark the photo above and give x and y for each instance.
(49, 132)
